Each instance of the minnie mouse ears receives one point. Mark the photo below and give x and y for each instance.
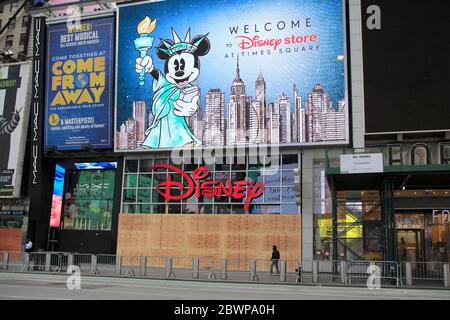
(199, 45)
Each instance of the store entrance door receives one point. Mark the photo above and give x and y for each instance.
(410, 245)
(83, 204)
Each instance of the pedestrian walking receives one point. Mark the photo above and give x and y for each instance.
(28, 246)
(274, 260)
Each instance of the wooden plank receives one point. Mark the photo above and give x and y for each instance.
(229, 236)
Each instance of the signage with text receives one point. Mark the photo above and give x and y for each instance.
(441, 216)
(210, 188)
(6, 178)
(362, 163)
(80, 77)
(14, 213)
(205, 73)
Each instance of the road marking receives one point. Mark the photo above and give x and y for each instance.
(258, 289)
(38, 298)
(208, 296)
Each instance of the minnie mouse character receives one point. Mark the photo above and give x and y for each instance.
(175, 96)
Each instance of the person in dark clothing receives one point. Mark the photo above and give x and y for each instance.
(402, 250)
(274, 259)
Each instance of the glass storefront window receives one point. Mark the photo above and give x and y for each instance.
(272, 194)
(289, 208)
(287, 194)
(129, 195)
(144, 208)
(145, 181)
(272, 178)
(89, 198)
(131, 166)
(271, 209)
(290, 162)
(174, 208)
(129, 208)
(358, 221)
(277, 174)
(144, 195)
(145, 165)
(131, 180)
(422, 236)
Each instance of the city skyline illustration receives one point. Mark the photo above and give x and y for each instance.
(282, 67)
(248, 117)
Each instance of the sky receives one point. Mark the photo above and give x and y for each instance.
(218, 67)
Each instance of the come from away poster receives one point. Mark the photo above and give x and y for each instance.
(80, 60)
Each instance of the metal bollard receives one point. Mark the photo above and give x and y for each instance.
(283, 271)
(70, 260)
(446, 275)
(343, 272)
(5, 260)
(48, 257)
(315, 265)
(408, 270)
(118, 265)
(93, 264)
(253, 275)
(223, 269)
(169, 268)
(143, 266)
(195, 268)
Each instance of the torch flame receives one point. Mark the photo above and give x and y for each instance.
(146, 25)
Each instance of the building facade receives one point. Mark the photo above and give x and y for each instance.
(214, 133)
(148, 203)
(15, 47)
(15, 22)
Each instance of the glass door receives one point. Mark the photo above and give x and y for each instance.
(410, 245)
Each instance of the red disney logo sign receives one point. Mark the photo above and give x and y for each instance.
(210, 188)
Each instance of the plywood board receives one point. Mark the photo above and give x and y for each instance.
(218, 236)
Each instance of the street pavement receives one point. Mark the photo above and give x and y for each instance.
(20, 286)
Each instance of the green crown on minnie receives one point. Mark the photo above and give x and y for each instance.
(181, 46)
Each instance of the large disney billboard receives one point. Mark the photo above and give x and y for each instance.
(234, 72)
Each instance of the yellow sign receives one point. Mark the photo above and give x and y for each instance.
(326, 227)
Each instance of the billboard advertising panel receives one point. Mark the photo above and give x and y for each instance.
(57, 197)
(406, 46)
(210, 73)
(14, 114)
(80, 84)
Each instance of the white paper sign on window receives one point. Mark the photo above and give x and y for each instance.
(362, 163)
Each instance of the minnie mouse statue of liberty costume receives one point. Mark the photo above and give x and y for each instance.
(175, 96)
